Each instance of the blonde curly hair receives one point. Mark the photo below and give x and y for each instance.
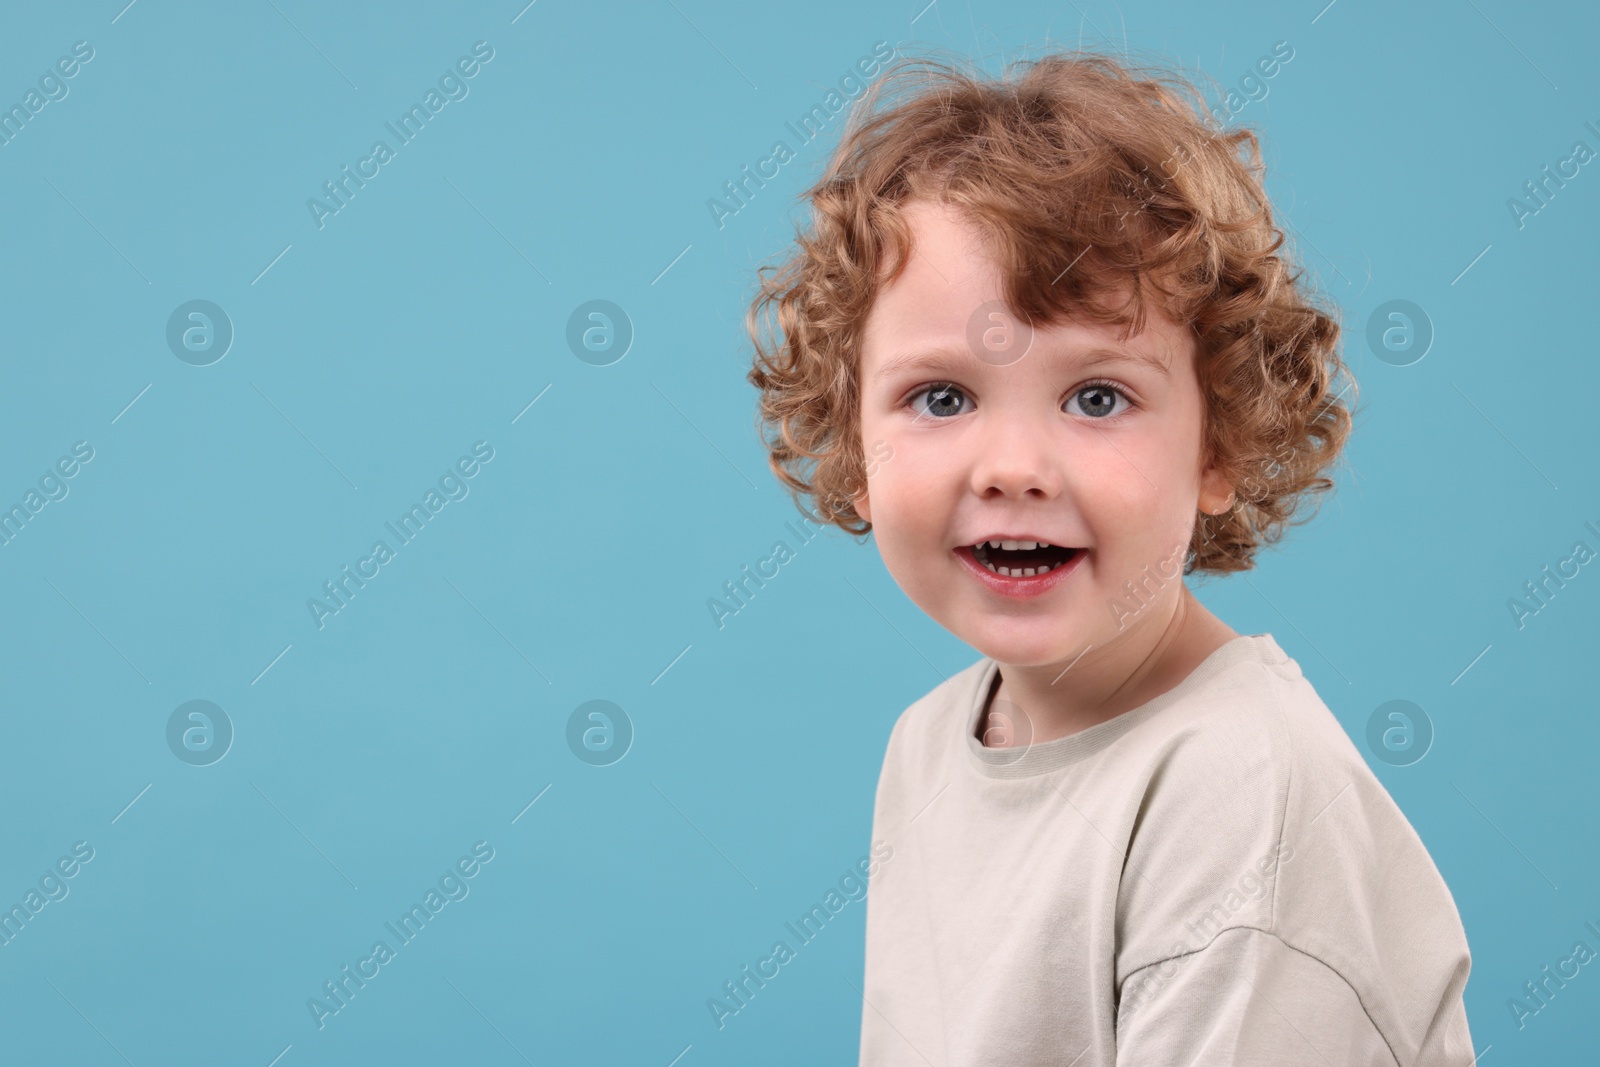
(1069, 157)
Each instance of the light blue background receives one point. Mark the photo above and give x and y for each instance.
(428, 313)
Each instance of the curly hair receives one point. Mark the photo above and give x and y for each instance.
(1068, 157)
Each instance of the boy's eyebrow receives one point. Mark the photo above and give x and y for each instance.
(939, 358)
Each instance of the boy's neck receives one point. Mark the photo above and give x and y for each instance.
(1104, 682)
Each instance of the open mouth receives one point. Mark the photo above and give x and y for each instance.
(1022, 559)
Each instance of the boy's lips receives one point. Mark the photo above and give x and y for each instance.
(1020, 587)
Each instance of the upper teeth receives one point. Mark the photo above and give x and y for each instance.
(1013, 546)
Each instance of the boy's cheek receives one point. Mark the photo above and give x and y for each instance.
(902, 506)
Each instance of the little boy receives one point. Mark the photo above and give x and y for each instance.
(1053, 310)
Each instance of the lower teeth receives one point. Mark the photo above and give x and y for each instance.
(1016, 572)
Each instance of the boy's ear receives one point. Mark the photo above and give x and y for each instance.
(863, 505)
(1216, 495)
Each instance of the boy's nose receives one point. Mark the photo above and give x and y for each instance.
(1017, 458)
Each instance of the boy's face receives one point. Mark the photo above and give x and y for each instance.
(986, 444)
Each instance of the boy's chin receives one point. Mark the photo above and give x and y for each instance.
(1038, 648)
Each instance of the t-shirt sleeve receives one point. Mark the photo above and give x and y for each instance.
(1245, 1000)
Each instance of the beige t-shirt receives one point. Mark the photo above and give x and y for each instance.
(1213, 878)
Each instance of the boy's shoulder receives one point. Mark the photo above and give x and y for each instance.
(1256, 812)
(1254, 757)
(1248, 724)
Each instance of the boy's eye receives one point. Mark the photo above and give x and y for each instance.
(1099, 400)
(943, 400)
